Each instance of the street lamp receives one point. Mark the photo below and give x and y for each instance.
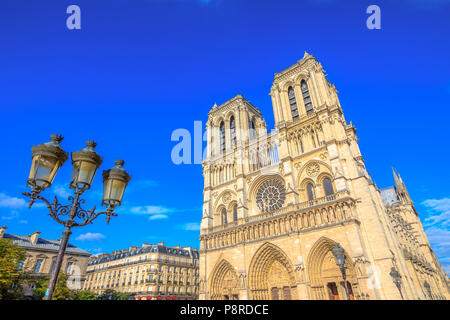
(428, 288)
(339, 255)
(47, 158)
(397, 278)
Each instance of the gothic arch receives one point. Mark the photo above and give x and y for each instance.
(228, 116)
(302, 176)
(287, 84)
(300, 77)
(254, 187)
(259, 181)
(218, 120)
(224, 199)
(224, 283)
(271, 271)
(323, 271)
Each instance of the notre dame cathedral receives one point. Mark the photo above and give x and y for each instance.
(294, 214)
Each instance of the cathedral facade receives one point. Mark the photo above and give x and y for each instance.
(281, 207)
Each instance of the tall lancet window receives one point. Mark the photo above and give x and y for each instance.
(235, 214)
(224, 216)
(307, 98)
(233, 131)
(251, 128)
(222, 137)
(327, 187)
(310, 191)
(293, 104)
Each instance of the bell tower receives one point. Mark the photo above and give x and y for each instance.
(277, 204)
(231, 127)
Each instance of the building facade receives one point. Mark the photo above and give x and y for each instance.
(277, 203)
(149, 272)
(41, 254)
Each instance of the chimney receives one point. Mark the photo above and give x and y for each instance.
(145, 245)
(2, 231)
(34, 237)
(132, 248)
(161, 243)
(177, 246)
(187, 248)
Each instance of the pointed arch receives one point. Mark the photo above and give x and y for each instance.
(325, 278)
(224, 283)
(271, 274)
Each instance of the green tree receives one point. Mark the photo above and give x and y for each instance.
(62, 292)
(110, 294)
(11, 256)
(85, 295)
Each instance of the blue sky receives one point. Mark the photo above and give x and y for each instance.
(138, 70)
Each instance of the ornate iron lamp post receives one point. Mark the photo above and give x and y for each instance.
(47, 158)
(397, 278)
(339, 255)
(428, 288)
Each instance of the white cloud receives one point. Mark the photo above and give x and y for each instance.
(90, 237)
(158, 217)
(154, 212)
(150, 210)
(13, 215)
(442, 209)
(11, 202)
(192, 226)
(438, 236)
(95, 251)
(61, 191)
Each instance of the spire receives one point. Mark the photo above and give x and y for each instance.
(397, 182)
(400, 178)
(400, 187)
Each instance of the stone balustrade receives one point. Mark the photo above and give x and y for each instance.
(333, 209)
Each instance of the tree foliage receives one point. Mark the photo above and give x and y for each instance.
(110, 294)
(85, 295)
(62, 292)
(11, 256)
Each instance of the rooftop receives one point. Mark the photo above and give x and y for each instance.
(44, 244)
(146, 248)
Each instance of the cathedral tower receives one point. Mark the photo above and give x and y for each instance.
(277, 203)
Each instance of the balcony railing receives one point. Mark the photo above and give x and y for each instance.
(302, 206)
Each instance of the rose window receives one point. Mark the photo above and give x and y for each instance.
(271, 196)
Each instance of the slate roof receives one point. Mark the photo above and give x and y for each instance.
(147, 249)
(389, 195)
(44, 244)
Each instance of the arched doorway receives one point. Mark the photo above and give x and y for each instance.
(326, 281)
(224, 282)
(271, 275)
